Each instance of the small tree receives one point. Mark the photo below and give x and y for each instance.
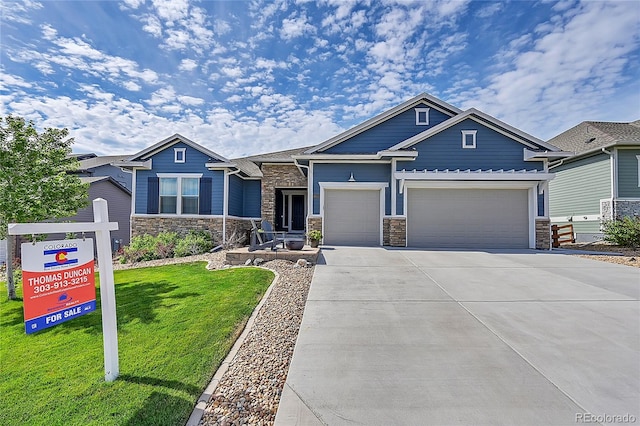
(36, 180)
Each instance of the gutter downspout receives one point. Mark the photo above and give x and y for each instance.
(613, 184)
(225, 207)
(309, 192)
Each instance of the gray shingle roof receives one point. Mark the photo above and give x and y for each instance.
(92, 162)
(279, 156)
(594, 135)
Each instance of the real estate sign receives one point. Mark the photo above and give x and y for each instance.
(58, 282)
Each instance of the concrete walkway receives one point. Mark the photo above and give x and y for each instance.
(404, 337)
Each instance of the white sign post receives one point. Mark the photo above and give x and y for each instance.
(102, 227)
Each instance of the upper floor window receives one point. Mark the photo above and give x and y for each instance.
(179, 155)
(469, 138)
(422, 116)
(638, 158)
(179, 194)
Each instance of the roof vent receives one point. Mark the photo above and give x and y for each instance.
(591, 140)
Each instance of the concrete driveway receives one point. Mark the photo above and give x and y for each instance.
(408, 337)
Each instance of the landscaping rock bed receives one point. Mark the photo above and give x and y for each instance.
(619, 255)
(249, 392)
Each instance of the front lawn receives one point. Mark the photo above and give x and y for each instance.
(176, 324)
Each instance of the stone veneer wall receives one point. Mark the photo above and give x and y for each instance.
(621, 208)
(153, 225)
(314, 223)
(385, 231)
(398, 232)
(543, 234)
(278, 176)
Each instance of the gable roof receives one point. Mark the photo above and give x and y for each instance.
(484, 119)
(285, 156)
(172, 140)
(591, 136)
(94, 179)
(372, 122)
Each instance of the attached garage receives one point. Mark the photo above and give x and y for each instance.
(352, 216)
(458, 217)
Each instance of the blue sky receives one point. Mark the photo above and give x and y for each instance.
(245, 77)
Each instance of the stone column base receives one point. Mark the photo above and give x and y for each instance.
(543, 234)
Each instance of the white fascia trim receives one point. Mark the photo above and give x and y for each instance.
(471, 175)
(142, 165)
(337, 157)
(172, 140)
(214, 166)
(411, 155)
(179, 175)
(469, 184)
(530, 155)
(498, 126)
(354, 185)
(433, 102)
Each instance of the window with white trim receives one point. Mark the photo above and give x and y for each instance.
(179, 155)
(638, 158)
(422, 116)
(469, 138)
(179, 195)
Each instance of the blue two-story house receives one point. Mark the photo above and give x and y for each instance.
(422, 174)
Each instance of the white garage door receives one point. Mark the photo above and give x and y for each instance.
(352, 217)
(467, 218)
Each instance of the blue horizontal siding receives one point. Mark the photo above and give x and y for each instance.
(252, 198)
(163, 162)
(493, 151)
(362, 172)
(236, 196)
(388, 133)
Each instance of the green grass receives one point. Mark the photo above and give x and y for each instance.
(175, 326)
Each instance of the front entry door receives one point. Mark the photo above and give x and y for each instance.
(297, 212)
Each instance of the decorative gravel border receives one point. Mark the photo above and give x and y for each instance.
(246, 388)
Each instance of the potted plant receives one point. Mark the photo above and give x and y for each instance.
(314, 238)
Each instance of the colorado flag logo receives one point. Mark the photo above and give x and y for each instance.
(61, 257)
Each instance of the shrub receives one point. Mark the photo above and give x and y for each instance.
(195, 242)
(623, 232)
(166, 244)
(141, 247)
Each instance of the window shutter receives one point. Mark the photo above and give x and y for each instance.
(153, 195)
(206, 187)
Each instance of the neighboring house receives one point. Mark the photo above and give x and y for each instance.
(92, 165)
(422, 174)
(105, 181)
(601, 181)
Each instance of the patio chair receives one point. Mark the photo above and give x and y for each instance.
(265, 236)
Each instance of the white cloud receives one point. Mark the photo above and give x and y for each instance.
(18, 12)
(187, 65)
(566, 73)
(489, 9)
(296, 27)
(132, 86)
(190, 100)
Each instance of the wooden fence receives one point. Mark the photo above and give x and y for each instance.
(558, 237)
